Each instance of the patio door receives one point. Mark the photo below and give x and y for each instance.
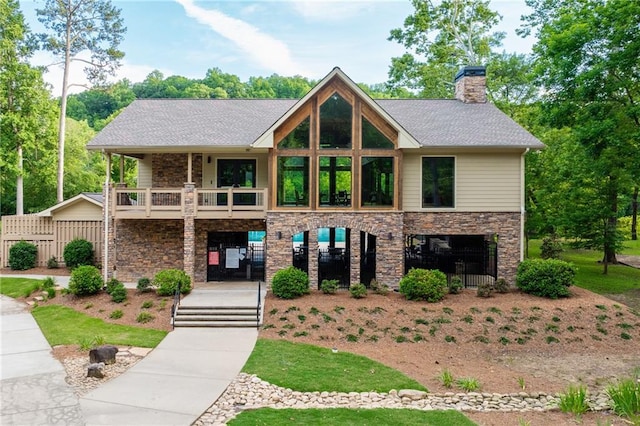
(237, 173)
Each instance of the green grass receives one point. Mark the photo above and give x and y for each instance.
(308, 368)
(619, 278)
(19, 287)
(631, 247)
(65, 326)
(345, 417)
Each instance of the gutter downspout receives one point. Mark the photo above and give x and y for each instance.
(523, 211)
(107, 190)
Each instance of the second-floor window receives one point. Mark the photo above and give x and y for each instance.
(438, 182)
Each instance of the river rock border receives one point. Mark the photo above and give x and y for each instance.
(250, 392)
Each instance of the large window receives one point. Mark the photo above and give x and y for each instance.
(377, 181)
(372, 138)
(438, 179)
(335, 181)
(335, 123)
(298, 138)
(293, 181)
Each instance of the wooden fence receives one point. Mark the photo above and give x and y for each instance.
(50, 236)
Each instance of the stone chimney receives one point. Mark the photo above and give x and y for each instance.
(471, 85)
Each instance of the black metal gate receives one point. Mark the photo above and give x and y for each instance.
(473, 264)
(367, 258)
(334, 264)
(230, 257)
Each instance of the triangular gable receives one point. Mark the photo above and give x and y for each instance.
(67, 203)
(405, 140)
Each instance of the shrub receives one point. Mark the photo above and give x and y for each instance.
(358, 291)
(168, 280)
(117, 314)
(484, 289)
(112, 284)
(545, 278)
(85, 280)
(51, 292)
(424, 284)
(329, 286)
(550, 248)
(144, 317)
(147, 304)
(378, 287)
(144, 285)
(22, 256)
(78, 252)
(290, 283)
(119, 293)
(455, 285)
(501, 285)
(52, 263)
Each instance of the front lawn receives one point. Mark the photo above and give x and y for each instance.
(345, 417)
(65, 326)
(19, 287)
(309, 368)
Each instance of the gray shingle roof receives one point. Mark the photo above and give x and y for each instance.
(450, 123)
(163, 123)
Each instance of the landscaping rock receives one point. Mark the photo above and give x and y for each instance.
(96, 370)
(105, 353)
(411, 394)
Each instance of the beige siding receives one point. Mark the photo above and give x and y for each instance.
(484, 182)
(144, 172)
(82, 210)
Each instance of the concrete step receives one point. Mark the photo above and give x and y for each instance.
(216, 316)
(216, 324)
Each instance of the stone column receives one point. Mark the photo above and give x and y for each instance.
(354, 251)
(313, 258)
(111, 232)
(189, 230)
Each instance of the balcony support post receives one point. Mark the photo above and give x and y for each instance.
(189, 230)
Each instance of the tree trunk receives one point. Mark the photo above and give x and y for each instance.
(610, 229)
(19, 184)
(63, 116)
(634, 214)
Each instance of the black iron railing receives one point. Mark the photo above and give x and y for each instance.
(176, 304)
(259, 305)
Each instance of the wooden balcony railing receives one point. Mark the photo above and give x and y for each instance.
(169, 203)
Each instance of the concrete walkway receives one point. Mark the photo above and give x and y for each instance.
(32, 381)
(173, 385)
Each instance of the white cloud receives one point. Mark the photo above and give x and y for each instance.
(329, 10)
(267, 51)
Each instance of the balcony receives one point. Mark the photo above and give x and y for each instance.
(169, 203)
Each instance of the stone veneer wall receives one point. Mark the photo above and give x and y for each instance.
(170, 170)
(145, 247)
(203, 227)
(506, 225)
(389, 252)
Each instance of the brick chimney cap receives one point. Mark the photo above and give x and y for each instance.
(471, 71)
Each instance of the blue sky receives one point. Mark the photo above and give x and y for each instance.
(260, 38)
